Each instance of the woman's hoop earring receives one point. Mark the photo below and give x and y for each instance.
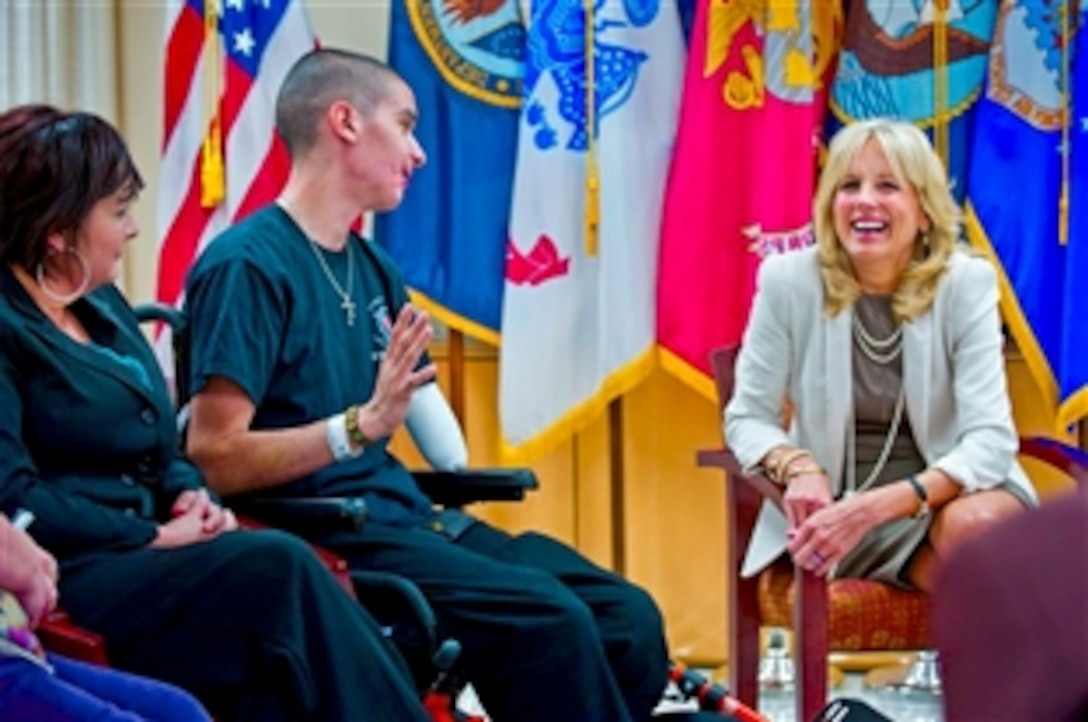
(65, 298)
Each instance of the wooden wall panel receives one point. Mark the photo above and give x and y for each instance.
(675, 513)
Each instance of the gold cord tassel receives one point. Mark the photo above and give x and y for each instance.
(1068, 32)
(213, 172)
(940, 80)
(593, 175)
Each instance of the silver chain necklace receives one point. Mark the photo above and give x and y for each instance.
(878, 350)
(346, 303)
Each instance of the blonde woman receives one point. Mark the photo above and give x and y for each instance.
(886, 341)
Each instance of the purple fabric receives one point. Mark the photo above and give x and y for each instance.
(80, 692)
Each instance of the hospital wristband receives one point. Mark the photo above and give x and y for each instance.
(336, 436)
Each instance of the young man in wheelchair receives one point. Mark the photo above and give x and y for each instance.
(305, 358)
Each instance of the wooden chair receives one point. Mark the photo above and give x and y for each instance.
(841, 615)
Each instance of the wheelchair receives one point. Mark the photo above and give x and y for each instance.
(395, 602)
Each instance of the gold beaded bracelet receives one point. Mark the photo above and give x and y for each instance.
(351, 422)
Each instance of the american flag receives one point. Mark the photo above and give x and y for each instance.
(232, 84)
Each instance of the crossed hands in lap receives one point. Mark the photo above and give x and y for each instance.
(196, 518)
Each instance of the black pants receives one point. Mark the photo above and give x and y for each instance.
(250, 622)
(546, 634)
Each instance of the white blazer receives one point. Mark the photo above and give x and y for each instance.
(953, 376)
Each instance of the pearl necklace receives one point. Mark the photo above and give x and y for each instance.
(878, 350)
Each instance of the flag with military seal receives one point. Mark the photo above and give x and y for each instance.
(1027, 192)
(464, 61)
(602, 89)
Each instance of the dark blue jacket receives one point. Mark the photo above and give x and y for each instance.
(86, 444)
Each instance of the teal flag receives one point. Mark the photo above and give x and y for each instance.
(904, 60)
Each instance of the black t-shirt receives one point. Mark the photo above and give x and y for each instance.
(265, 315)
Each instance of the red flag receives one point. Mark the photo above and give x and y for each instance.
(744, 169)
(221, 156)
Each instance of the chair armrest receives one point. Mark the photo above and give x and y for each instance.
(303, 513)
(759, 482)
(58, 634)
(458, 488)
(158, 311)
(1069, 459)
(390, 597)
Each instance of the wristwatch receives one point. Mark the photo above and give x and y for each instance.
(923, 497)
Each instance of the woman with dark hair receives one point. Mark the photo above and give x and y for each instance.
(249, 621)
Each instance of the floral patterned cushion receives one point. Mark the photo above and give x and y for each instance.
(864, 615)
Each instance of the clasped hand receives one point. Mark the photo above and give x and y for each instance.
(822, 532)
(196, 518)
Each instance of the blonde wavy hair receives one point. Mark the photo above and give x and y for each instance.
(913, 160)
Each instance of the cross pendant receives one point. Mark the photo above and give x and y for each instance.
(349, 310)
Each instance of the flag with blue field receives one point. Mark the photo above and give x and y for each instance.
(464, 62)
(1026, 179)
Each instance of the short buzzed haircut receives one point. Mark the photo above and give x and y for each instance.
(316, 81)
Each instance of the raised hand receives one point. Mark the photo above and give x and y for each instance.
(397, 374)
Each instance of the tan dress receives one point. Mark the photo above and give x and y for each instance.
(884, 554)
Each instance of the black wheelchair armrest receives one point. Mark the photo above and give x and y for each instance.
(305, 513)
(388, 596)
(158, 311)
(458, 488)
(407, 617)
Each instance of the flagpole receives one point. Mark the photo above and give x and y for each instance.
(618, 486)
(455, 348)
(592, 242)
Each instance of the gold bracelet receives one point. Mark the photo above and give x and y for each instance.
(778, 471)
(794, 473)
(351, 422)
(770, 468)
